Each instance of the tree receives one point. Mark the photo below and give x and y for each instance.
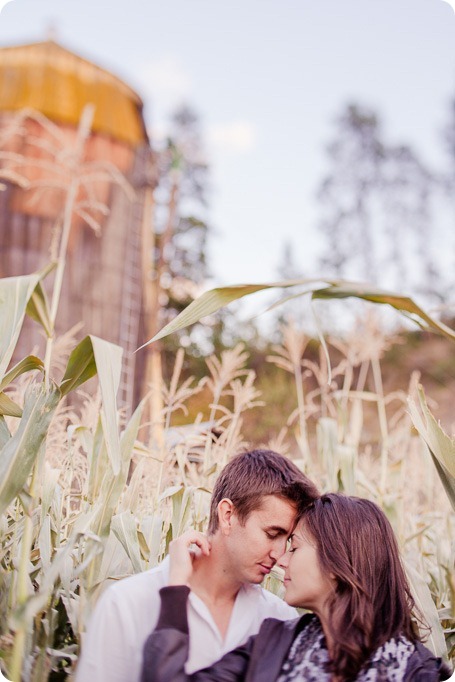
(448, 184)
(175, 242)
(181, 227)
(376, 206)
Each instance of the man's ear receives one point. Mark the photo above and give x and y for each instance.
(226, 513)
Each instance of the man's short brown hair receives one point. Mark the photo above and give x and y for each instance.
(249, 476)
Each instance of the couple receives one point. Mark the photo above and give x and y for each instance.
(342, 563)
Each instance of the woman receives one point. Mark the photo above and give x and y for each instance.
(343, 564)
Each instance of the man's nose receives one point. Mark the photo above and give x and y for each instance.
(278, 549)
(283, 560)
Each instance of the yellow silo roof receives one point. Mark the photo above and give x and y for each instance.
(59, 83)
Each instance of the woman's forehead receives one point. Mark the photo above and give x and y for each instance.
(301, 532)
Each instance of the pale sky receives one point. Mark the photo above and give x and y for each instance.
(268, 77)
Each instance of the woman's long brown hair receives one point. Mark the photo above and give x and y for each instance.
(372, 601)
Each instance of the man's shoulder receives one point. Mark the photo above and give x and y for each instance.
(140, 584)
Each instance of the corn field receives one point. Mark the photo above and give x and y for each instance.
(87, 497)
(82, 506)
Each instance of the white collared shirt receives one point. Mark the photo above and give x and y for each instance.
(127, 612)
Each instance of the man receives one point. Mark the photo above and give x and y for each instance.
(254, 505)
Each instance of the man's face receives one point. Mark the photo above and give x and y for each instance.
(254, 546)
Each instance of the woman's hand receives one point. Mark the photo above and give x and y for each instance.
(182, 557)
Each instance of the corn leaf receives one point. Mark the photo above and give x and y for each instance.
(440, 444)
(80, 368)
(98, 519)
(427, 608)
(132, 496)
(447, 480)
(15, 293)
(8, 407)
(28, 364)
(98, 462)
(45, 543)
(348, 467)
(93, 355)
(113, 484)
(5, 434)
(181, 509)
(152, 527)
(108, 360)
(114, 563)
(327, 445)
(124, 528)
(37, 602)
(19, 453)
(215, 299)
(38, 309)
(404, 304)
(50, 488)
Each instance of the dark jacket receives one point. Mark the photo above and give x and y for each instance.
(260, 659)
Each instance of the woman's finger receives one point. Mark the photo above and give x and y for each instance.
(193, 537)
(184, 551)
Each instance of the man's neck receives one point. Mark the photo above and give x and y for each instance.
(212, 579)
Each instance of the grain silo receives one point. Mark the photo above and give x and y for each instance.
(103, 286)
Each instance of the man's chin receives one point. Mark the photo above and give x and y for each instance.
(256, 578)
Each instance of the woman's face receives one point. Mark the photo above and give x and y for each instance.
(305, 583)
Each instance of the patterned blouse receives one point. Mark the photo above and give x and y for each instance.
(308, 658)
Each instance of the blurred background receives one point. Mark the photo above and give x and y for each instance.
(300, 107)
(265, 141)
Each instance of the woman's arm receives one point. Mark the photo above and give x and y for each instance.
(166, 649)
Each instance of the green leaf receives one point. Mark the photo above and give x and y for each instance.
(45, 542)
(124, 528)
(93, 355)
(404, 304)
(28, 364)
(348, 467)
(182, 498)
(8, 407)
(152, 527)
(50, 489)
(80, 368)
(447, 480)
(99, 518)
(5, 434)
(15, 294)
(112, 484)
(26, 500)
(440, 444)
(215, 299)
(38, 309)
(98, 461)
(426, 606)
(18, 455)
(108, 360)
(114, 562)
(24, 615)
(212, 301)
(327, 445)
